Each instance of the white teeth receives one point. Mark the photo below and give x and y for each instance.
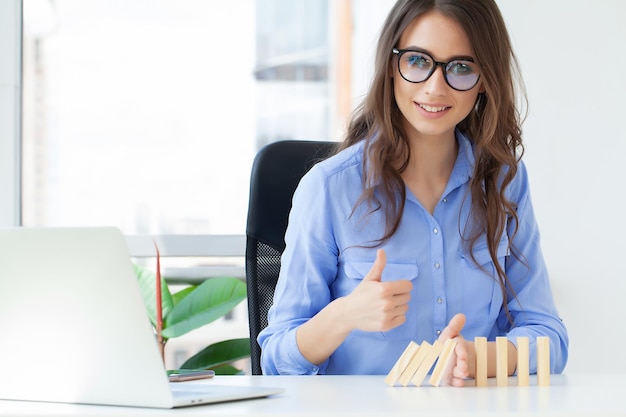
(432, 109)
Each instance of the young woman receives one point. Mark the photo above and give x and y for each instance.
(421, 227)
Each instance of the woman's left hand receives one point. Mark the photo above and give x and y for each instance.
(460, 370)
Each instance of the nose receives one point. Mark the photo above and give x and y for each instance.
(436, 84)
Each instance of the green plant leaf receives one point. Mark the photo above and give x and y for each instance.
(219, 354)
(208, 302)
(146, 279)
(178, 296)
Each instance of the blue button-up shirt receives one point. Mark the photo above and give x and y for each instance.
(325, 259)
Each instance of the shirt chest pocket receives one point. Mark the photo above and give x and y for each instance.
(351, 274)
(482, 294)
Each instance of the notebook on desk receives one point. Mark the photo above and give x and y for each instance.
(73, 326)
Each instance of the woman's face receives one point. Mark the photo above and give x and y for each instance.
(432, 108)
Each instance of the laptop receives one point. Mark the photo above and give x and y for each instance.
(74, 329)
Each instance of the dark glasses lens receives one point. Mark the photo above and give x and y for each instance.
(417, 67)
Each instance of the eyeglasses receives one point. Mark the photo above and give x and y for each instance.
(416, 67)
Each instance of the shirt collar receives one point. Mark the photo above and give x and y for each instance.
(464, 165)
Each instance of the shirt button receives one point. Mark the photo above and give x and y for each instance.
(437, 265)
(439, 300)
(438, 332)
(435, 230)
(445, 200)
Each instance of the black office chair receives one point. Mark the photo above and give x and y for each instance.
(276, 172)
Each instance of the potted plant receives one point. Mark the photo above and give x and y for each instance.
(191, 308)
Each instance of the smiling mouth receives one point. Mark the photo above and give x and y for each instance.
(432, 109)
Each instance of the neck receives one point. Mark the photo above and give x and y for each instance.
(430, 167)
(432, 158)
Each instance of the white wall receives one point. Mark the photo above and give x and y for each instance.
(573, 59)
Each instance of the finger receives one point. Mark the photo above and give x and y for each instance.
(376, 273)
(457, 382)
(460, 372)
(455, 378)
(397, 321)
(453, 329)
(400, 299)
(400, 287)
(401, 309)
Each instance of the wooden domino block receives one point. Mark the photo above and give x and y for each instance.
(502, 361)
(522, 361)
(412, 367)
(401, 364)
(543, 361)
(480, 347)
(431, 356)
(444, 361)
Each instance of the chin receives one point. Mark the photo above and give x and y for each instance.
(434, 133)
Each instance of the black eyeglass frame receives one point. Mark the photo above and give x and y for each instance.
(443, 65)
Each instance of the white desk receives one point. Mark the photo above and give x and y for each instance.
(568, 395)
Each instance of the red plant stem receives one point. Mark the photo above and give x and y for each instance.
(159, 304)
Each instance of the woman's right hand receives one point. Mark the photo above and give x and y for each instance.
(377, 306)
(373, 306)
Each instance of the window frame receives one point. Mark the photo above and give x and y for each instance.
(10, 111)
(186, 246)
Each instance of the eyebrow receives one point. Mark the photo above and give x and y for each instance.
(425, 51)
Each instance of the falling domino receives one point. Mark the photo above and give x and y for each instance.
(401, 363)
(443, 362)
(427, 363)
(412, 367)
(480, 346)
(543, 361)
(502, 372)
(522, 361)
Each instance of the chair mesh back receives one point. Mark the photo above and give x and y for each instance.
(276, 172)
(262, 276)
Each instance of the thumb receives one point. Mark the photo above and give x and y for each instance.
(453, 329)
(376, 272)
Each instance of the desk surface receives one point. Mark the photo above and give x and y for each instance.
(580, 395)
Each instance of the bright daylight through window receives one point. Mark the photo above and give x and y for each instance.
(147, 115)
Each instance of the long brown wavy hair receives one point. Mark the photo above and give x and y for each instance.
(493, 126)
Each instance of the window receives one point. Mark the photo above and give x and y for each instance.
(147, 114)
(138, 114)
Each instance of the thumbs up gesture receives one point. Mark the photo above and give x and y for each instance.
(375, 305)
